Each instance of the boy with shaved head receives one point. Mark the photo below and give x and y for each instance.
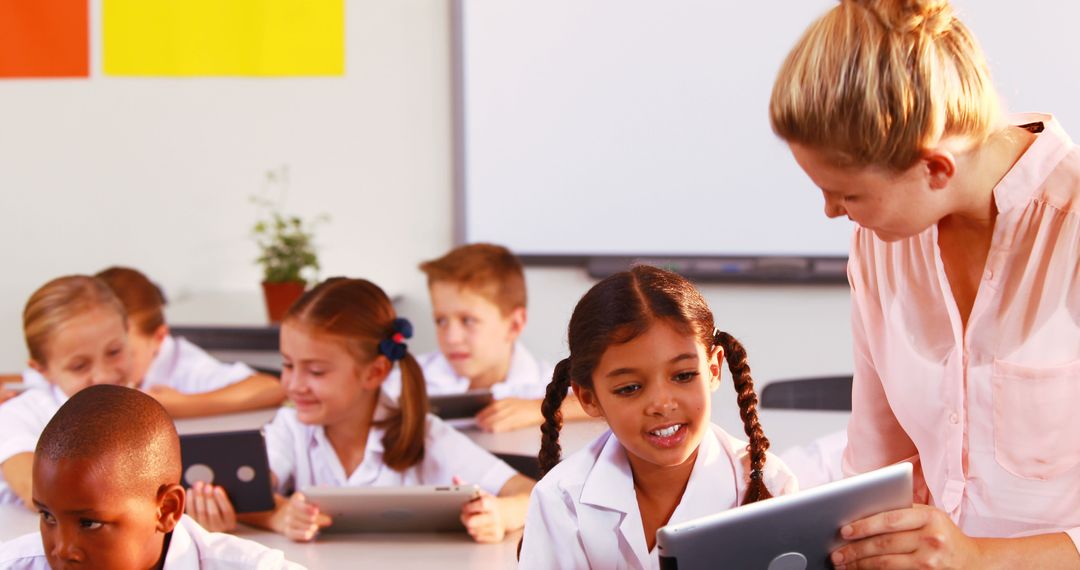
(107, 484)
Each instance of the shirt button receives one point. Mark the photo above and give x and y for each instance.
(989, 274)
(954, 418)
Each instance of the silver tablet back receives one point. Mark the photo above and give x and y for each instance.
(393, 509)
(792, 532)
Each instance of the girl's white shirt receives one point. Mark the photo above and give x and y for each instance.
(584, 513)
(301, 456)
(22, 419)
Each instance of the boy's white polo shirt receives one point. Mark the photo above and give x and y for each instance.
(301, 456)
(181, 366)
(527, 378)
(22, 420)
(191, 547)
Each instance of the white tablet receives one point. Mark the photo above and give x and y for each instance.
(393, 509)
(792, 532)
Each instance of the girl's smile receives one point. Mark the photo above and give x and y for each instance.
(654, 392)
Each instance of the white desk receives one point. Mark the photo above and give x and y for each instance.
(401, 552)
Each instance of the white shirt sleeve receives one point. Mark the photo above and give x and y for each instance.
(552, 538)
(196, 372)
(22, 419)
(281, 449)
(448, 452)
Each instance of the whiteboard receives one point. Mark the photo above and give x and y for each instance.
(636, 127)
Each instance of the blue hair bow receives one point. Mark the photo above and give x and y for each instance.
(394, 347)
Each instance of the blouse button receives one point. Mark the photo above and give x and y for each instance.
(954, 418)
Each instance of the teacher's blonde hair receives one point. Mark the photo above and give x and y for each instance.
(875, 82)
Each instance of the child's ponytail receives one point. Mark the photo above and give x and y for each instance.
(404, 437)
(744, 386)
(550, 450)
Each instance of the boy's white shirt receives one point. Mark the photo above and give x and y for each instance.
(180, 365)
(22, 420)
(584, 513)
(301, 456)
(191, 547)
(527, 377)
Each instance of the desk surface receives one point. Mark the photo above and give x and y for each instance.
(399, 551)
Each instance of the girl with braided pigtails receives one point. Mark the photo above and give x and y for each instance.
(645, 357)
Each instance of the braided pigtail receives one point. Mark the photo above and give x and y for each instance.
(550, 450)
(744, 386)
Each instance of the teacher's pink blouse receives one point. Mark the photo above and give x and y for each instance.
(992, 416)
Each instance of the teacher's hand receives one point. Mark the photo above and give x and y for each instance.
(919, 537)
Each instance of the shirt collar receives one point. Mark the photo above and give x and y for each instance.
(157, 373)
(712, 486)
(183, 552)
(1035, 165)
(520, 361)
(610, 483)
(369, 468)
(57, 394)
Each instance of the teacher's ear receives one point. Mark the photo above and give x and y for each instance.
(939, 166)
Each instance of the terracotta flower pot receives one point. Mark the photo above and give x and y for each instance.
(280, 296)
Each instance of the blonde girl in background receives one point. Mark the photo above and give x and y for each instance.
(76, 335)
(339, 342)
(965, 281)
(183, 377)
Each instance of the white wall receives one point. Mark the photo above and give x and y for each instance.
(155, 173)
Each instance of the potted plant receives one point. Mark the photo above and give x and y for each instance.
(287, 252)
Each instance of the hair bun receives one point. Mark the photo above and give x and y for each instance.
(932, 17)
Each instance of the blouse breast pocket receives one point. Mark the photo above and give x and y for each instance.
(1036, 419)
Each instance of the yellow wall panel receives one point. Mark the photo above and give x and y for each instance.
(224, 37)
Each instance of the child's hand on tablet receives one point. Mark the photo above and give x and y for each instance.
(302, 520)
(211, 507)
(509, 414)
(482, 518)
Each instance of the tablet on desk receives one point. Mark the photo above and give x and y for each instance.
(393, 509)
(464, 405)
(792, 532)
(235, 460)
